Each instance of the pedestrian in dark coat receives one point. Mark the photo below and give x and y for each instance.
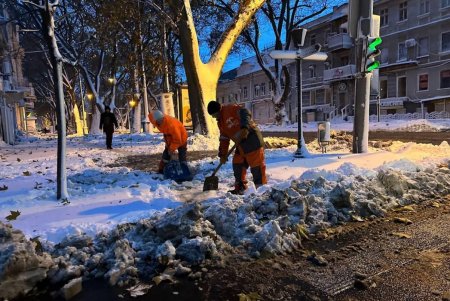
(107, 122)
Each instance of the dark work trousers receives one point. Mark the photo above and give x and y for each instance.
(109, 137)
(182, 157)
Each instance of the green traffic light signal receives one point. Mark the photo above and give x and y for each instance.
(373, 66)
(373, 45)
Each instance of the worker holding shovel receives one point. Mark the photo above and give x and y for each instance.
(235, 123)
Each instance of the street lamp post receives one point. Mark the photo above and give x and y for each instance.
(298, 153)
(310, 53)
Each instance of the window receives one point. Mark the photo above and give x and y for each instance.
(423, 82)
(270, 87)
(422, 47)
(403, 11)
(312, 97)
(445, 79)
(256, 90)
(446, 41)
(424, 7)
(263, 89)
(245, 92)
(327, 95)
(401, 52)
(312, 39)
(235, 97)
(384, 17)
(385, 56)
(445, 3)
(401, 86)
(223, 99)
(383, 88)
(344, 61)
(312, 71)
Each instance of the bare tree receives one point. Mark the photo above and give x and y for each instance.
(47, 10)
(202, 77)
(283, 17)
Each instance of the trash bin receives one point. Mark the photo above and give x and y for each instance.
(323, 135)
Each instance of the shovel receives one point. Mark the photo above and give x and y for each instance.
(212, 182)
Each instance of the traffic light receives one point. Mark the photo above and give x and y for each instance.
(372, 52)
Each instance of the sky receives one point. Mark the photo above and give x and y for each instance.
(266, 40)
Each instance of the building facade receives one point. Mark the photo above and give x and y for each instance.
(16, 94)
(414, 77)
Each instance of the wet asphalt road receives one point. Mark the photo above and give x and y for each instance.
(435, 138)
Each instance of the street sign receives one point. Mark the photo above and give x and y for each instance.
(318, 56)
(307, 51)
(310, 53)
(283, 54)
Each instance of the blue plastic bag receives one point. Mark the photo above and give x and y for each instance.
(177, 171)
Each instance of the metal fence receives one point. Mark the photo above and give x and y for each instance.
(406, 116)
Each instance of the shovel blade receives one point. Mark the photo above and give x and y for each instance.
(211, 183)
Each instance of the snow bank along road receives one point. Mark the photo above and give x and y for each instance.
(127, 225)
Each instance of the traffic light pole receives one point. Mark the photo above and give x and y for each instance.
(361, 19)
(362, 101)
(299, 152)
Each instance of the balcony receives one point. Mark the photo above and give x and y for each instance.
(339, 41)
(340, 73)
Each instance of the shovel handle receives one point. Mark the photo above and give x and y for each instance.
(218, 167)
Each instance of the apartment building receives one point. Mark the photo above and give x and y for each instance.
(415, 70)
(16, 94)
(414, 77)
(249, 86)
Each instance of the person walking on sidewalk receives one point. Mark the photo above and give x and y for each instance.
(175, 136)
(235, 123)
(108, 122)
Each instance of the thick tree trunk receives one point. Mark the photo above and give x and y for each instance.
(202, 78)
(95, 121)
(136, 125)
(78, 122)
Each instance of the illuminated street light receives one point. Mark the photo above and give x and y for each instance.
(111, 80)
(90, 96)
(132, 103)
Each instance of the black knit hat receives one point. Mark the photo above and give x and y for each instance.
(213, 107)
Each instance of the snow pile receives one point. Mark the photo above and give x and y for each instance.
(21, 268)
(265, 223)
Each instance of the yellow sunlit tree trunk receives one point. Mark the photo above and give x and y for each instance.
(202, 78)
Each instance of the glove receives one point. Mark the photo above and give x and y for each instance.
(223, 159)
(173, 155)
(241, 135)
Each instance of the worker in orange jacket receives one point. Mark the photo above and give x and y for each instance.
(175, 136)
(235, 123)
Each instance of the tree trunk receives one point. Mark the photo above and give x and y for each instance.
(78, 122)
(57, 64)
(136, 125)
(95, 121)
(203, 78)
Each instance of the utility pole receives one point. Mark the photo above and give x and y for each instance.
(364, 27)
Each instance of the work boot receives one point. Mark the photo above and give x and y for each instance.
(237, 191)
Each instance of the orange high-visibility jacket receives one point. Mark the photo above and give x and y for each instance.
(232, 119)
(174, 132)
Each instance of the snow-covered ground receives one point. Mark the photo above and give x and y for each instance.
(120, 223)
(419, 125)
(102, 197)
